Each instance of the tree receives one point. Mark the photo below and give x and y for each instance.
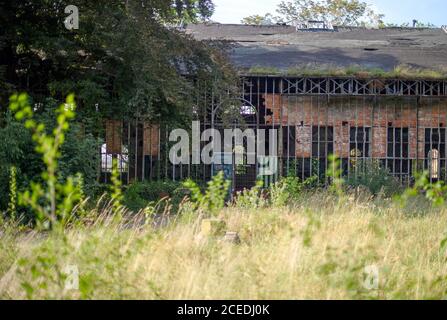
(125, 59)
(338, 12)
(258, 20)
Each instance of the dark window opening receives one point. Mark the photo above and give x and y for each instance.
(398, 162)
(398, 146)
(322, 141)
(359, 142)
(289, 140)
(435, 139)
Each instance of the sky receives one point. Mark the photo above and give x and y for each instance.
(396, 11)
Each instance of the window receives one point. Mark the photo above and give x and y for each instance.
(359, 142)
(397, 143)
(289, 141)
(107, 158)
(322, 141)
(247, 110)
(435, 139)
(398, 162)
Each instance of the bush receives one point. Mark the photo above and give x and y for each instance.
(375, 178)
(79, 153)
(213, 198)
(286, 190)
(139, 194)
(251, 198)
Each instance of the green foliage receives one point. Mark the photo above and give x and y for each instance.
(278, 196)
(258, 20)
(251, 198)
(335, 173)
(374, 177)
(286, 190)
(418, 24)
(338, 12)
(192, 10)
(79, 154)
(135, 70)
(45, 269)
(51, 200)
(115, 188)
(311, 183)
(358, 71)
(12, 205)
(312, 225)
(435, 192)
(213, 199)
(139, 194)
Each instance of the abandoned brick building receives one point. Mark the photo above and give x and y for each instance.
(340, 91)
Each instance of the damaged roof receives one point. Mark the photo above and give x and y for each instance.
(283, 47)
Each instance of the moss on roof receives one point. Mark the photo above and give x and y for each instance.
(399, 72)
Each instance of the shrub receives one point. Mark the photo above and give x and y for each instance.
(52, 198)
(213, 199)
(375, 178)
(251, 198)
(79, 154)
(139, 194)
(287, 189)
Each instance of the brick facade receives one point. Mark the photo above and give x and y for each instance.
(342, 113)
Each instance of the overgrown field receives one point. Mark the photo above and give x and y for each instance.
(361, 238)
(321, 247)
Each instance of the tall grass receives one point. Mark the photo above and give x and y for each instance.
(292, 244)
(316, 249)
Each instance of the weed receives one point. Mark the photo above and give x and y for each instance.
(213, 199)
(12, 205)
(52, 201)
(251, 198)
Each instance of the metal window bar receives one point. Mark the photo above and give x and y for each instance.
(401, 159)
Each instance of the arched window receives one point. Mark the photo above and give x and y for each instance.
(433, 163)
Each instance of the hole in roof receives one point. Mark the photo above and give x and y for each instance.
(267, 34)
(370, 49)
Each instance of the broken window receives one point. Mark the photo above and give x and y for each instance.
(398, 151)
(359, 142)
(107, 158)
(322, 141)
(113, 147)
(435, 150)
(289, 140)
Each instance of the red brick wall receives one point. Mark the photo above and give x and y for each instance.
(114, 130)
(151, 139)
(344, 112)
